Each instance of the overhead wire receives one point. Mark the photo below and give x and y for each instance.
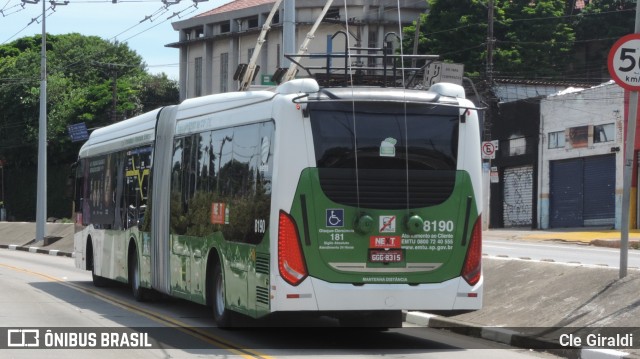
(404, 94)
(370, 10)
(158, 13)
(4, 12)
(32, 21)
(353, 104)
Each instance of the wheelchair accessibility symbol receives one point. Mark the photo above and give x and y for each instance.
(335, 217)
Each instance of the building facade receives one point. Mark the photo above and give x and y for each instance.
(581, 158)
(214, 43)
(513, 191)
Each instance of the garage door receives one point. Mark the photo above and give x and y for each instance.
(518, 196)
(582, 192)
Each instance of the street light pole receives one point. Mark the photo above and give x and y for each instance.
(41, 202)
(41, 187)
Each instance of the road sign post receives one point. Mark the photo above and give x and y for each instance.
(489, 149)
(624, 68)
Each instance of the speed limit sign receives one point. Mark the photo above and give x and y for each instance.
(624, 62)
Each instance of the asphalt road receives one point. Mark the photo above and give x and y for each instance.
(47, 292)
(559, 252)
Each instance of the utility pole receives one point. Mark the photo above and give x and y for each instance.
(288, 31)
(486, 128)
(41, 197)
(41, 201)
(416, 39)
(490, 41)
(114, 94)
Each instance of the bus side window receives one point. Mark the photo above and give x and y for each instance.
(137, 172)
(178, 224)
(118, 195)
(78, 197)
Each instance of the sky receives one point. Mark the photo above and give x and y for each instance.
(142, 24)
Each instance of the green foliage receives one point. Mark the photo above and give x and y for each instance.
(533, 35)
(158, 90)
(597, 27)
(456, 30)
(81, 73)
(547, 39)
(80, 88)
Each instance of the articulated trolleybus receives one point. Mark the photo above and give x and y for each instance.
(354, 202)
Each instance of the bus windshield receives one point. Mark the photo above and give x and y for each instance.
(385, 142)
(382, 140)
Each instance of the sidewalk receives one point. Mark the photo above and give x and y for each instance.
(21, 235)
(531, 304)
(595, 237)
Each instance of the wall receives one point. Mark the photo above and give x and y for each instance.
(595, 106)
(202, 36)
(514, 121)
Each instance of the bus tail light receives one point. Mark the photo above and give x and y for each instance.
(472, 268)
(290, 258)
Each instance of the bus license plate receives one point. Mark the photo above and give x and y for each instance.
(388, 256)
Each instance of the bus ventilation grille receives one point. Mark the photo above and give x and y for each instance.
(262, 264)
(262, 295)
(386, 189)
(262, 267)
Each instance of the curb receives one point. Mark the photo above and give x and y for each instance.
(51, 252)
(511, 338)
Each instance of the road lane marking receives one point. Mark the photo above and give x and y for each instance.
(220, 343)
(489, 244)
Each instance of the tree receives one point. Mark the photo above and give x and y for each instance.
(533, 40)
(532, 37)
(597, 27)
(83, 72)
(454, 29)
(158, 90)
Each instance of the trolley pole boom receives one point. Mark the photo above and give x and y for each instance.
(250, 71)
(293, 68)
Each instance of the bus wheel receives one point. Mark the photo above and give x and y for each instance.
(134, 278)
(220, 313)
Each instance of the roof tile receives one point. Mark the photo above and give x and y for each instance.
(235, 5)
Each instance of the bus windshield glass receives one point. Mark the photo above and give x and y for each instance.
(383, 133)
(406, 153)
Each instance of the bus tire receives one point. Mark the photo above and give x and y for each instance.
(220, 313)
(98, 281)
(134, 276)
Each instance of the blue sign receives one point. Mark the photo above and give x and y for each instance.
(335, 217)
(78, 132)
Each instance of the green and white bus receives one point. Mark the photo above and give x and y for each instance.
(355, 202)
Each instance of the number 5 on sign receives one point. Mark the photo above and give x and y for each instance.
(624, 62)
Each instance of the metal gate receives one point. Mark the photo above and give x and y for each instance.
(518, 196)
(582, 192)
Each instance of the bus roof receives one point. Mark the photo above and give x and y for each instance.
(129, 133)
(220, 102)
(386, 94)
